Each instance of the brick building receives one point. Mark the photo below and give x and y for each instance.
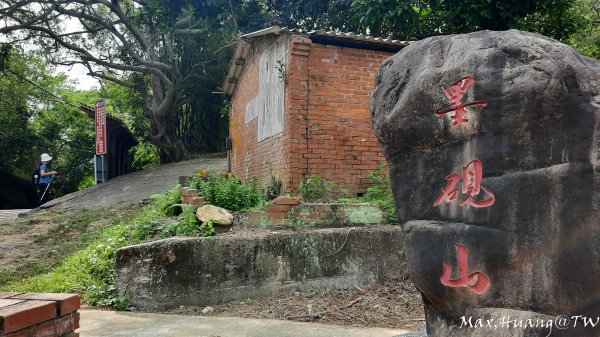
(300, 105)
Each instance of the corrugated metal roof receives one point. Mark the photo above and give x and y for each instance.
(359, 37)
(333, 34)
(321, 36)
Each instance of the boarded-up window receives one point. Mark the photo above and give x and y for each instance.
(268, 105)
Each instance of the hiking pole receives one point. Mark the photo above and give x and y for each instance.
(46, 190)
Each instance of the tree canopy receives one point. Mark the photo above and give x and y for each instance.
(417, 19)
(137, 44)
(587, 38)
(40, 114)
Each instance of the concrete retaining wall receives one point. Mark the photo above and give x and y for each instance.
(203, 271)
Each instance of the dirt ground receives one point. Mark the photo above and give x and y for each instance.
(16, 241)
(37, 243)
(393, 304)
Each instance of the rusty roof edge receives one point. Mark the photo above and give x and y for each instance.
(236, 67)
(271, 30)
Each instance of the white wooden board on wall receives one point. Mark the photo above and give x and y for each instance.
(268, 105)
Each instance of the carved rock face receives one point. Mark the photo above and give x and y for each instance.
(527, 108)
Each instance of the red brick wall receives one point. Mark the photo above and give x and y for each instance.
(296, 102)
(341, 143)
(327, 122)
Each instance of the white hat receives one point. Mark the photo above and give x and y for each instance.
(46, 157)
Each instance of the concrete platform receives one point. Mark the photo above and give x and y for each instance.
(95, 323)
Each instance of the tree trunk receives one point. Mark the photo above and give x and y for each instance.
(172, 149)
(162, 112)
(164, 136)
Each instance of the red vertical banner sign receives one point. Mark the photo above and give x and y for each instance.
(100, 127)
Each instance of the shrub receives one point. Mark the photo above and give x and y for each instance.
(187, 221)
(227, 193)
(315, 188)
(168, 203)
(379, 193)
(207, 228)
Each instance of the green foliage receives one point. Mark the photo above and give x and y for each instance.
(557, 19)
(225, 109)
(91, 271)
(126, 105)
(169, 202)
(201, 123)
(87, 182)
(197, 117)
(207, 228)
(302, 14)
(316, 188)
(295, 220)
(227, 193)
(280, 67)
(587, 38)
(106, 295)
(67, 232)
(17, 135)
(379, 193)
(413, 20)
(145, 156)
(187, 219)
(37, 116)
(187, 224)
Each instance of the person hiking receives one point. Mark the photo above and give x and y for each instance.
(45, 178)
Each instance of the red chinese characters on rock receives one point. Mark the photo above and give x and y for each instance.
(471, 186)
(455, 92)
(472, 174)
(478, 282)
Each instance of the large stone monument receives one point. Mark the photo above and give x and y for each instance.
(493, 142)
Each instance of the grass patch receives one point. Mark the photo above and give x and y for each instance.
(91, 271)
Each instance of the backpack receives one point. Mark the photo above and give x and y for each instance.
(35, 176)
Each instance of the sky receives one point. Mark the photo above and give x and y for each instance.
(78, 73)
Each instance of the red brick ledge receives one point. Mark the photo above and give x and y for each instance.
(39, 315)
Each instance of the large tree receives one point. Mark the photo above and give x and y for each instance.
(142, 39)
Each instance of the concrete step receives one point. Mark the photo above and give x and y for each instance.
(11, 214)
